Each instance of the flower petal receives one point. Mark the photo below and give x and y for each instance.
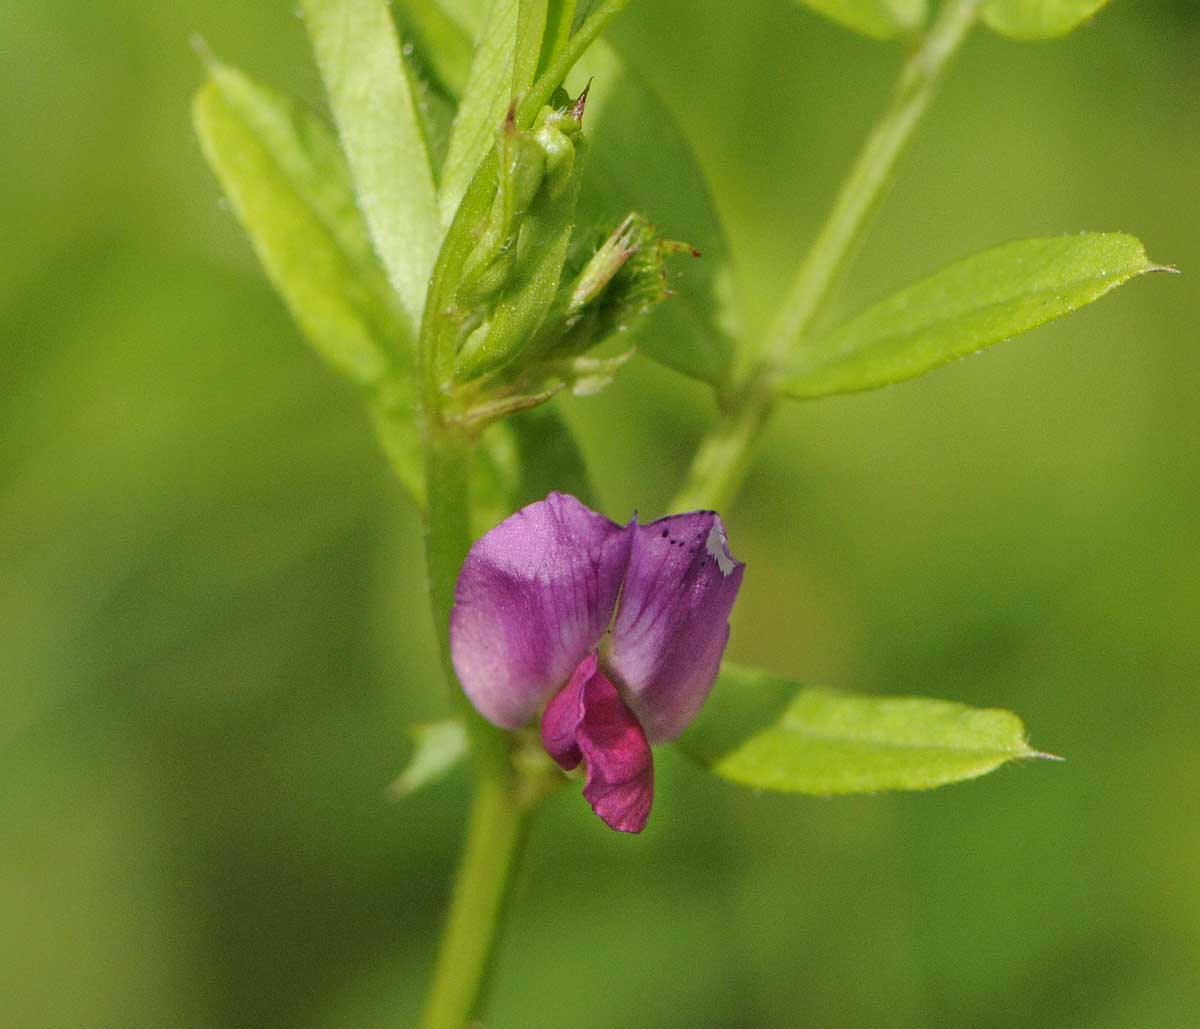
(587, 721)
(673, 621)
(534, 596)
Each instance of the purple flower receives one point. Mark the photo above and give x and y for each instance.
(614, 632)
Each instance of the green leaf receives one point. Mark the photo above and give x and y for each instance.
(372, 92)
(639, 161)
(289, 185)
(1038, 19)
(438, 748)
(768, 733)
(531, 30)
(394, 414)
(966, 306)
(879, 19)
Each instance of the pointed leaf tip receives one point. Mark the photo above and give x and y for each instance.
(981, 300)
(768, 733)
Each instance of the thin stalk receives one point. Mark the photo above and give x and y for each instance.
(503, 797)
(866, 184)
(495, 835)
(720, 463)
(541, 91)
(499, 811)
(723, 457)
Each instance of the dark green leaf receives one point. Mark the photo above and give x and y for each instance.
(880, 19)
(550, 459)
(288, 183)
(639, 161)
(373, 95)
(1038, 19)
(520, 460)
(966, 306)
(768, 733)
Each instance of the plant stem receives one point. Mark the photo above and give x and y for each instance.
(499, 811)
(721, 462)
(503, 796)
(865, 185)
(495, 834)
(724, 455)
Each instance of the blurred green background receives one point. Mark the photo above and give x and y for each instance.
(212, 629)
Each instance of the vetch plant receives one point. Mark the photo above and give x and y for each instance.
(473, 240)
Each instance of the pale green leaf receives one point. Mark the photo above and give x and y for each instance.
(395, 415)
(289, 185)
(372, 94)
(437, 748)
(1038, 19)
(966, 306)
(880, 19)
(487, 97)
(639, 161)
(768, 733)
(531, 30)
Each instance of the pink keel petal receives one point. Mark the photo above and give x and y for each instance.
(673, 621)
(533, 598)
(587, 721)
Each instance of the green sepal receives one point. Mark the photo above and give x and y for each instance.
(538, 247)
(640, 160)
(619, 286)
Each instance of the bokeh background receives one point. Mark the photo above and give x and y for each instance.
(212, 628)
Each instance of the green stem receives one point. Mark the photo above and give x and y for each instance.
(503, 796)
(865, 185)
(495, 834)
(724, 455)
(500, 807)
(723, 458)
